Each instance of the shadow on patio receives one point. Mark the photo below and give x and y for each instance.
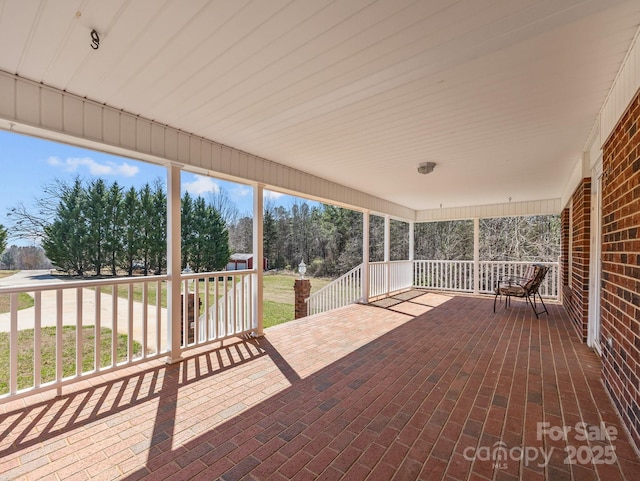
(433, 387)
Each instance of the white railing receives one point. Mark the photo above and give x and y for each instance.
(384, 278)
(444, 275)
(388, 277)
(492, 271)
(121, 321)
(343, 291)
(224, 303)
(456, 276)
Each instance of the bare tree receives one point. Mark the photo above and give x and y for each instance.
(27, 258)
(221, 202)
(29, 222)
(531, 238)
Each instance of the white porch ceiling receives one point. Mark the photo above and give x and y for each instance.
(501, 94)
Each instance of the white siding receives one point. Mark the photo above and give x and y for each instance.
(624, 88)
(538, 207)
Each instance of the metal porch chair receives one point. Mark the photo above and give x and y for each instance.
(526, 287)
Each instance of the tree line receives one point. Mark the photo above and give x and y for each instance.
(24, 257)
(329, 238)
(95, 227)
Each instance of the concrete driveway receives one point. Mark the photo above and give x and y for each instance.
(23, 278)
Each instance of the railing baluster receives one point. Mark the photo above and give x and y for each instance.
(207, 321)
(114, 325)
(79, 327)
(159, 329)
(130, 322)
(216, 310)
(196, 311)
(13, 343)
(59, 349)
(185, 306)
(98, 329)
(241, 304)
(37, 339)
(145, 317)
(225, 317)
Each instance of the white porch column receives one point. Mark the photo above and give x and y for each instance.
(387, 252)
(258, 257)
(476, 255)
(412, 249)
(412, 240)
(365, 256)
(174, 256)
(387, 238)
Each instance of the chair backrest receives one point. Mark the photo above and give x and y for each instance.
(533, 285)
(530, 273)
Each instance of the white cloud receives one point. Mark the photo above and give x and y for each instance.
(72, 164)
(269, 194)
(201, 185)
(240, 191)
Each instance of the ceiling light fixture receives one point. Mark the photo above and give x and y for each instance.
(426, 167)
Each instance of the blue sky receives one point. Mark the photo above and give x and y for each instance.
(29, 163)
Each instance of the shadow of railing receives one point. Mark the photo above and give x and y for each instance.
(86, 406)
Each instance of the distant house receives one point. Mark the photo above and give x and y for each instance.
(243, 261)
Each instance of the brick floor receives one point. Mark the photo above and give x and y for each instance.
(435, 387)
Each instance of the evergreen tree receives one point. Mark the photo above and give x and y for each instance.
(130, 227)
(67, 237)
(114, 231)
(216, 249)
(158, 237)
(269, 235)
(198, 238)
(3, 239)
(95, 214)
(205, 238)
(187, 227)
(146, 227)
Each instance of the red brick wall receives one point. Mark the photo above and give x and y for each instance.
(564, 247)
(620, 299)
(576, 290)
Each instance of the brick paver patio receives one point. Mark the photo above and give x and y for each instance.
(435, 387)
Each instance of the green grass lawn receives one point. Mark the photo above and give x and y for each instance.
(276, 313)
(48, 353)
(24, 301)
(279, 297)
